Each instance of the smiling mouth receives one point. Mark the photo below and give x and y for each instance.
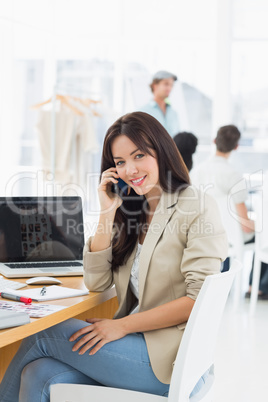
(139, 181)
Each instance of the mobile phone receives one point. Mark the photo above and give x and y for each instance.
(120, 188)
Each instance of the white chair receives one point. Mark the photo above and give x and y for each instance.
(261, 247)
(234, 232)
(195, 355)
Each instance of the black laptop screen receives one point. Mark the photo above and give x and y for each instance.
(41, 229)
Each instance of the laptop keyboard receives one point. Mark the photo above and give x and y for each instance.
(18, 265)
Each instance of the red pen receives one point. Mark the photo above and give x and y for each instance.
(27, 300)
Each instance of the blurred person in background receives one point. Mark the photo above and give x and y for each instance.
(186, 144)
(159, 107)
(219, 178)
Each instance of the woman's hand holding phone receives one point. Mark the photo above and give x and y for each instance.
(109, 200)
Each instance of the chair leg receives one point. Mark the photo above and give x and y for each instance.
(255, 285)
(237, 286)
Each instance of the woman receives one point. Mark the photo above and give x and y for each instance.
(157, 239)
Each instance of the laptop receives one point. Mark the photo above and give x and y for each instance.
(41, 236)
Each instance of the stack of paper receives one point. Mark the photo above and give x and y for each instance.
(52, 293)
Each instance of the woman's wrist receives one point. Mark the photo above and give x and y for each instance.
(103, 234)
(125, 324)
(106, 222)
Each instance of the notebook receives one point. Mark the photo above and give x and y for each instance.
(41, 236)
(52, 293)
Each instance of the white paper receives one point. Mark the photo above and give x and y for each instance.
(33, 310)
(10, 319)
(52, 293)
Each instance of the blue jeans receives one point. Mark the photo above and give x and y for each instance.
(46, 358)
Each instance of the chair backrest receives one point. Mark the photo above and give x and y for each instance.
(261, 210)
(232, 225)
(196, 352)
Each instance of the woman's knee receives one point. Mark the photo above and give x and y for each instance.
(29, 372)
(38, 376)
(33, 378)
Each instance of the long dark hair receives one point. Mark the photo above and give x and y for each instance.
(147, 134)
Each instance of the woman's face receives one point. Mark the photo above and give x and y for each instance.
(138, 169)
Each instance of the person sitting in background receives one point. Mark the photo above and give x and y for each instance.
(218, 177)
(186, 144)
(159, 107)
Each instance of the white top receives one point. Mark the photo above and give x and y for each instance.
(218, 178)
(134, 277)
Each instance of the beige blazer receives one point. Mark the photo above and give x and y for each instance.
(185, 243)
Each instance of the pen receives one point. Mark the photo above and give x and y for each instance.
(27, 300)
(43, 291)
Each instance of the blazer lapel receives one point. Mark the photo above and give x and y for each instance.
(162, 215)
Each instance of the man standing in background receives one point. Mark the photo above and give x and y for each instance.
(159, 107)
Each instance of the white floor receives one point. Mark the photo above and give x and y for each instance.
(242, 354)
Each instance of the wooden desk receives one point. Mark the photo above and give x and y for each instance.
(95, 304)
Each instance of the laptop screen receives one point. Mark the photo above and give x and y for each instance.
(41, 229)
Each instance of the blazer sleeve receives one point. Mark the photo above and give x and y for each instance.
(206, 244)
(98, 275)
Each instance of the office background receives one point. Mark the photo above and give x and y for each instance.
(107, 51)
